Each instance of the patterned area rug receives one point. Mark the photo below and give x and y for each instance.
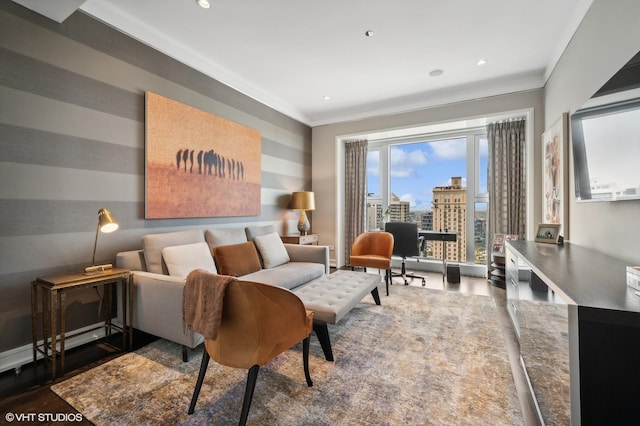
(423, 357)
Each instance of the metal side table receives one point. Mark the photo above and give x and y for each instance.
(53, 291)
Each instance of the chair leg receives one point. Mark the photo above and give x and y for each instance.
(185, 353)
(203, 371)
(252, 377)
(305, 360)
(387, 279)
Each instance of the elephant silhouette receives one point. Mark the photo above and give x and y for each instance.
(209, 160)
(209, 163)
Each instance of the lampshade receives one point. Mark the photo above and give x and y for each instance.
(303, 201)
(106, 222)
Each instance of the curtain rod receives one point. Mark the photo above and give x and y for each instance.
(508, 120)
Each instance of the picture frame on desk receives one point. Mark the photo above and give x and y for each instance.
(548, 233)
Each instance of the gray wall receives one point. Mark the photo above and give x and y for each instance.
(72, 142)
(607, 38)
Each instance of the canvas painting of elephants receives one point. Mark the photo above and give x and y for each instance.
(198, 164)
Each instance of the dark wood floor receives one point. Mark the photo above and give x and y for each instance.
(29, 391)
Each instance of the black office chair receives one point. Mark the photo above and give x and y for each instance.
(406, 243)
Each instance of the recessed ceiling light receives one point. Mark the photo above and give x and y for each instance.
(481, 62)
(326, 98)
(368, 33)
(204, 4)
(435, 73)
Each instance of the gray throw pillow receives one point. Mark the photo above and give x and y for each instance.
(272, 250)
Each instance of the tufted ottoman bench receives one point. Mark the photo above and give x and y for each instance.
(332, 296)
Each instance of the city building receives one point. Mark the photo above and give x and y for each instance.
(450, 214)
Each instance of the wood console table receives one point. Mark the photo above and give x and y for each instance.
(300, 239)
(578, 326)
(53, 292)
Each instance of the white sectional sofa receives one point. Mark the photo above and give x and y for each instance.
(253, 253)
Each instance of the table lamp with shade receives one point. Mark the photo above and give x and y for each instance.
(303, 201)
(106, 224)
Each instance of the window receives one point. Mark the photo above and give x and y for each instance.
(439, 182)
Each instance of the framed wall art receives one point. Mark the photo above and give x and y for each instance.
(198, 164)
(555, 176)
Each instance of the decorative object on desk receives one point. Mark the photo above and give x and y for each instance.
(548, 233)
(303, 201)
(556, 172)
(106, 224)
(198, 164)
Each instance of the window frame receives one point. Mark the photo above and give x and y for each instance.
(473, 135)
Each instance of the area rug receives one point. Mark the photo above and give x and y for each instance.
(423, 357)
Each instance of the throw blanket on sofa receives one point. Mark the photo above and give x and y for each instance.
(203, 297)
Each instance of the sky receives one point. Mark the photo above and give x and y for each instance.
(417, 168)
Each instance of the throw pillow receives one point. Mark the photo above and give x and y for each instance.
(152, 244)
(181, 260)
(237, 259)
(272, 250)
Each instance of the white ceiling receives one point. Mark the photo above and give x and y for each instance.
(289, 54)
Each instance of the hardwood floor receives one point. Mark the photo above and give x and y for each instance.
(29, 391)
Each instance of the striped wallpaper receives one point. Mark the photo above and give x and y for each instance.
(72, 142)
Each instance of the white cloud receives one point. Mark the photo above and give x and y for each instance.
(449, 149)
(409, 197)
(373, 165)
(404, 163)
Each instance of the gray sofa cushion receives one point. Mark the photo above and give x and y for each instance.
(255, 231)
(152, 244)
(225, 237)
(289, 275)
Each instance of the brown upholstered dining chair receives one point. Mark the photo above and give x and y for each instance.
(373, 250)
(258, 323)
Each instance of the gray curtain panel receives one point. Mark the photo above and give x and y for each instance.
(506, 180)
(355, 192)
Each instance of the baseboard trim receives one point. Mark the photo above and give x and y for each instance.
(17, 357)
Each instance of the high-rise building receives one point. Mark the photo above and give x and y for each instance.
(424, 219)
(374, 216)
(399, 210)
(450, 214)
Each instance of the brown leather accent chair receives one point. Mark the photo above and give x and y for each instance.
(373, 250)
(258, 323)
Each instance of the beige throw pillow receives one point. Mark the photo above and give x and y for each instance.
(183, 259)
(272, 250)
